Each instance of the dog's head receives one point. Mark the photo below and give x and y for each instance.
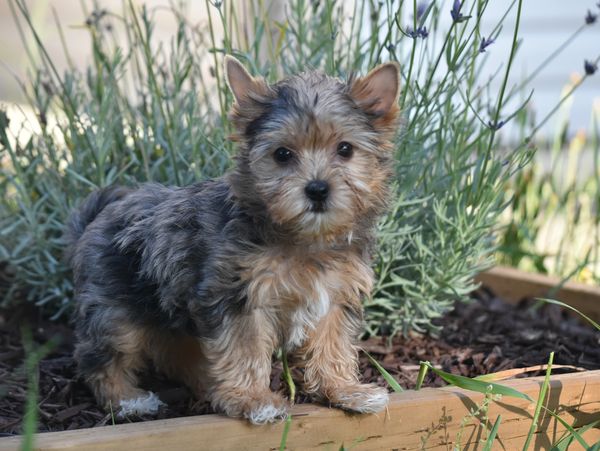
(315, 151)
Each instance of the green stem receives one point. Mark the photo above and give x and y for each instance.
(494, 127)
(216, 64)
(413, 51)
(157, 93)
(560, 102)
(544, 63)
(287, 375)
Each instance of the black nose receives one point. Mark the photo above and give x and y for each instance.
(317, 190)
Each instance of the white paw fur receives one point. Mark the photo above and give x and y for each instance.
(267, 414)
(374, 402)
(370, 401)
(144, 405)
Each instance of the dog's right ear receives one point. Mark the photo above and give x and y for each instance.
(377, 94)
(244, 86)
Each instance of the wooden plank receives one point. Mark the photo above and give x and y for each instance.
(427, 419)
(513, 285)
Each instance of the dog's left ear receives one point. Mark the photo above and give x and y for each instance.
(243, 85)
(377, 93)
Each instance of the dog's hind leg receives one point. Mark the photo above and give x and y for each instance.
(181, 358)
(110, 355)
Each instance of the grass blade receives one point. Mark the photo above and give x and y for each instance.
(567, 306)
(569, 428)
(539, 404)
(594, 447)
(479, 386)
(565, 442)
(33, 355)
(421, 376)
(387, 376)
(489, 443)
(284, 435)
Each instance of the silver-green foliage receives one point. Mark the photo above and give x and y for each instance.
(142, 113)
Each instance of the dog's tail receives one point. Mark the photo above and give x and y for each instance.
(89, 209)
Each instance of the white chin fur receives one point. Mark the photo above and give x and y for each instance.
(144, 405)
(267, 414)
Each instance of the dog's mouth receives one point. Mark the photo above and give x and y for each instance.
(318, 207)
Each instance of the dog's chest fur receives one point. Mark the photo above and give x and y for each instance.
(298, 286)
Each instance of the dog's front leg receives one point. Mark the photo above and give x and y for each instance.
(331, 363)
(240, 368)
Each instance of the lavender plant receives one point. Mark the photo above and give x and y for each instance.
(149, 111)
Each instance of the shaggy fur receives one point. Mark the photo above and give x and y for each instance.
(206, 281)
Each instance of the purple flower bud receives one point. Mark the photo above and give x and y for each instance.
(455, 11)
(4, 119)
(496, 125)
(421, 8)
(456, 14)
(590, 18)
(590, 67)
(485, 43)
(420, 32)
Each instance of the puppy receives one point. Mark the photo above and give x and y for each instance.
(206, 281)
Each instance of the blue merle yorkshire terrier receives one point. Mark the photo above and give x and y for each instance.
(204, 282)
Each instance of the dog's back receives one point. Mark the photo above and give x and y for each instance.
(153, 249)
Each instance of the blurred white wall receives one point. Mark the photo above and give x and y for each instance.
(72, 15)
(545, 25)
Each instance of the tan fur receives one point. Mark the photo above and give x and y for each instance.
(240, 365)
(356, 190)
(118, 380)
(306, 295)
(286, 288)
(179, 357)
(378, 92)
(296, 300)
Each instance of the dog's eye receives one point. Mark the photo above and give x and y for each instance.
(344, 149)
(283, 155)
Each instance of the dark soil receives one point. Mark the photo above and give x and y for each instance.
(481, 337)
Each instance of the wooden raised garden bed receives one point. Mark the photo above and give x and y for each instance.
(425, 419)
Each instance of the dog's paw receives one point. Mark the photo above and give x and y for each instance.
(267, 413)
(147, 404)
(364, 398)
(258, 407)
(265, 408)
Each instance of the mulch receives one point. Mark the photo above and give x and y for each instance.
(480, 337)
